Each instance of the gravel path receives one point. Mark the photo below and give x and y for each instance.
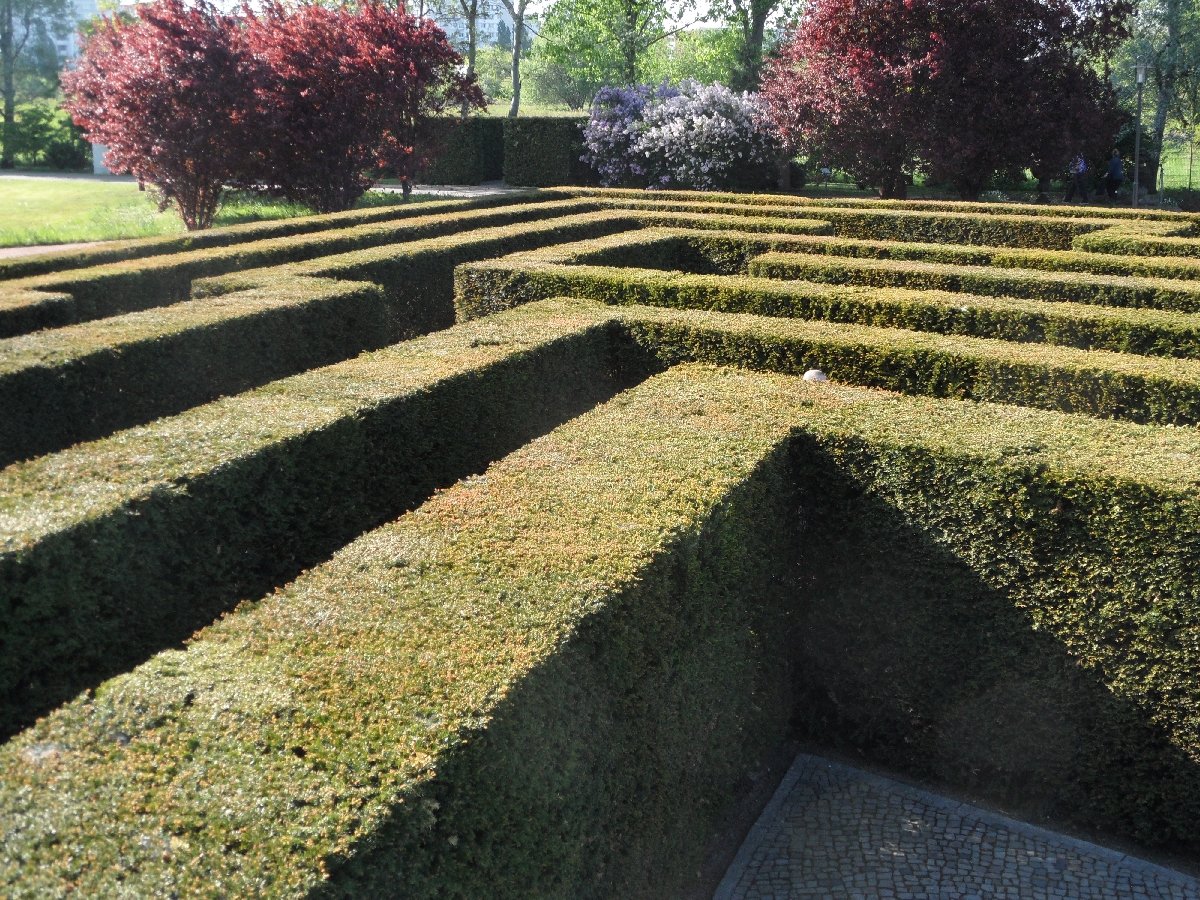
(832, 831)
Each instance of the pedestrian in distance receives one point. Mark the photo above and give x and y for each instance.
(1078, 183)
(1115, 176)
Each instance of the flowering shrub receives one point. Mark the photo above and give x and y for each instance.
(696, 136)
(612, 132)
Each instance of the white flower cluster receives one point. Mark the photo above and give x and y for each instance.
(703, 137)
(696, 136)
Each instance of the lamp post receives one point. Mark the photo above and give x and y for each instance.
(1137, 134)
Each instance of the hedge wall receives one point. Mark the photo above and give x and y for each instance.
(545, 150)
(65, 385)
(1078, 287)
(469, 152)
(115, 549)
(501, 694)
(1097, 383)
(146, 248)
(59, 299)
(496, 285)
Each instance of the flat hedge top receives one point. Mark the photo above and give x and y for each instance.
(286, 732)
(567, 262)
(53, 492)
(144, 248)
(1011, 209)
(1165, 456)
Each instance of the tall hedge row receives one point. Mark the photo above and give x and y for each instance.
(500, 694)
(115, 549)
(65, 385)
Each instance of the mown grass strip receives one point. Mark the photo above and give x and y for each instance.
(35, 303)
(1072, 287)
(545, 681)
(1099, 383)
(112, 550)
(118, 251)
(78, 383)
(491, 285)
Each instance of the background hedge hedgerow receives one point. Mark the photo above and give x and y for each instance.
(77, 383)
(545, 150)
(111, 550)
(566, 724)
(470, 152)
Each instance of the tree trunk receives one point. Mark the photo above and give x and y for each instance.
(1168, 75)
(518, 17)
(753, 31)
(471, 13)
(893, 186)
(8, 87)
(629, 48)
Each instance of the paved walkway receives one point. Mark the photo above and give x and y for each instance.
(832, 831)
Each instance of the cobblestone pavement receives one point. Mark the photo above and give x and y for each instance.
(832, 831)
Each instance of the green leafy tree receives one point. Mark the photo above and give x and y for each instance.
(609, 39)
(705, 55)
(1166, 38)
(750, 20)
(25, 26)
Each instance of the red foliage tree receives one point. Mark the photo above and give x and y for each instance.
(964, 88)
(166, 94)
(843, 87)
(340, 92)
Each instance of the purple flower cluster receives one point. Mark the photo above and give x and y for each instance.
(696, 136)
(611, 133)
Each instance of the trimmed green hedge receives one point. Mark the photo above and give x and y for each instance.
(1143, 239)
(547, 681)
(784, 236)
(35, 303)
(1173, 220)
(469, 152)
(493, 285)
(1097, 383)
(66, 385)
(111, 550)
(146, 248)
(545, 150)
(1076, 287)
(908, 224)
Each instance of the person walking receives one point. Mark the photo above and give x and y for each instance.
(1078, 183)
(1115, 176)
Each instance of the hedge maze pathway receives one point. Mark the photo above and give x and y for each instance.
(489, 548)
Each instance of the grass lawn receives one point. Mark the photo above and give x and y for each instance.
(47, 211)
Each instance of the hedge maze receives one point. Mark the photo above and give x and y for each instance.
(488, 549)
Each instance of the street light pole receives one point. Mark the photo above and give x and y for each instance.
(1137, 134)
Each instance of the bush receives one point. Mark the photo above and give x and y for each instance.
(46, 136)
(695, 136)
(469, 152)
(540, 151)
